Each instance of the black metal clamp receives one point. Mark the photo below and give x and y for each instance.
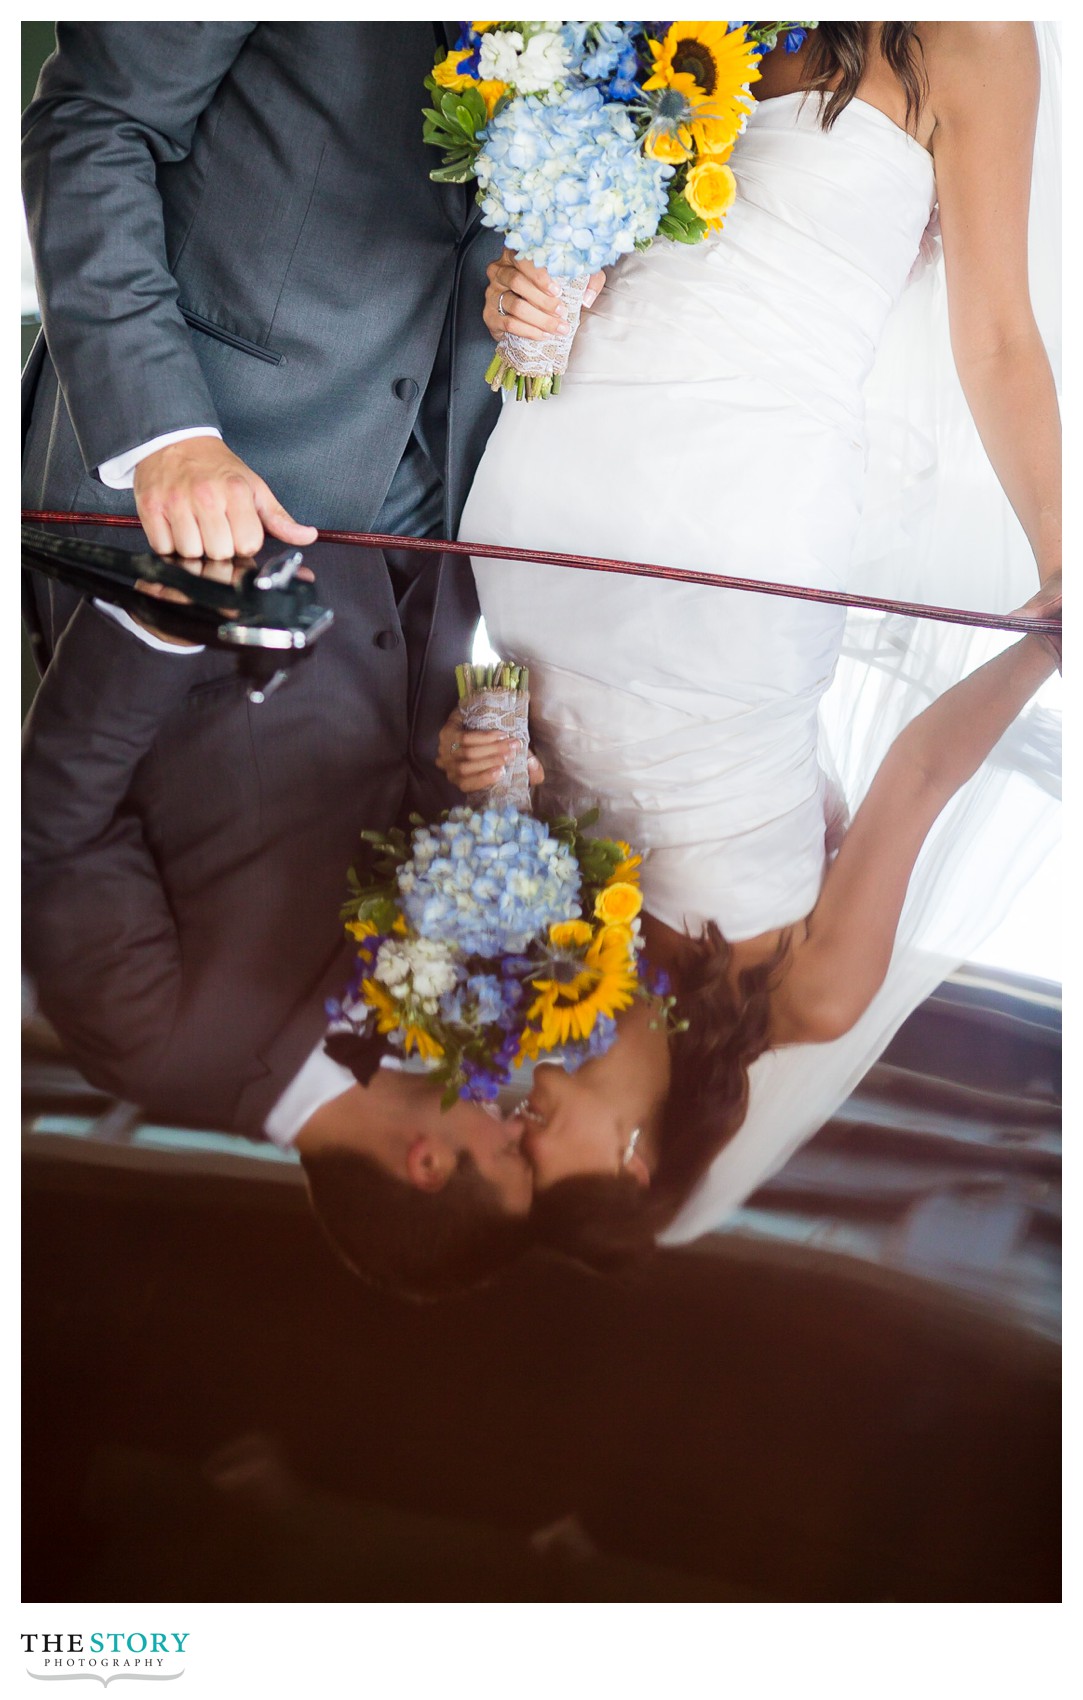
(269, 618)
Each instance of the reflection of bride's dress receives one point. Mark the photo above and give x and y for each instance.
(713, 416)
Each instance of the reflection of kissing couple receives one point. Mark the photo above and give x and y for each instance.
(253, 294)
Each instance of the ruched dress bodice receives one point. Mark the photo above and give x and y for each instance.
(711, 418)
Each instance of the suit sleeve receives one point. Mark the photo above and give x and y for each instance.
(100, 939)
(115, 102)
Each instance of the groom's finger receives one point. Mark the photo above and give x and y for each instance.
(187, 532)
(276, 520)
(242, 520)
(211, 513)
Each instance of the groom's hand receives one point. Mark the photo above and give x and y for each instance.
(523, 299)
(197, 498)
(222, 572)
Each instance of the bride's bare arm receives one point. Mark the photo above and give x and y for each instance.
(836, 970)
(983, 90)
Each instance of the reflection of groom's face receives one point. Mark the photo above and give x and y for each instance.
(397, 1122)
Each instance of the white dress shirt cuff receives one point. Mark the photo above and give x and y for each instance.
(123, 618)
(119, 473)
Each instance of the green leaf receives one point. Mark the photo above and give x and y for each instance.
(462, 173)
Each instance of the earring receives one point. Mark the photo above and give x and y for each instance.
(633, 1141)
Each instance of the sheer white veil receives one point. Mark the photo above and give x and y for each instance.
(936, 529)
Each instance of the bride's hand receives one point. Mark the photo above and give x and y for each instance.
(1045, 604)
(531, 302)
(475, 760)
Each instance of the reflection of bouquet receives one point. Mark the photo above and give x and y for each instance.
(496, 698)
(588, 139)
(490, 937)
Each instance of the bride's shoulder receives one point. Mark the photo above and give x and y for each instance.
(977, 63)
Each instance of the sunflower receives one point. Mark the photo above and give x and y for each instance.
(380, 1000)
(363, 930)
(389, 1020)
(629, 866)
(566, 958)
(566, 1011)
(416, 1039)
(699, 77)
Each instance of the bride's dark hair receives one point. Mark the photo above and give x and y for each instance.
(840, 51)
(609, 1221)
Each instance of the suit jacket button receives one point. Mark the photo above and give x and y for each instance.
(386, 640)
(405, 389)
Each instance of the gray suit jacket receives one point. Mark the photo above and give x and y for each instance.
(233, 224)
(185, 854)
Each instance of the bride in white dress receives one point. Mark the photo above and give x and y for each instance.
(725, 408)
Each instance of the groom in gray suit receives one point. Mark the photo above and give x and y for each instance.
(256, 306)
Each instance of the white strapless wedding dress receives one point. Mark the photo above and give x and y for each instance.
(715, 415)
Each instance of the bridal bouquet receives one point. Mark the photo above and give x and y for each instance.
(589, 139)
(489, 937)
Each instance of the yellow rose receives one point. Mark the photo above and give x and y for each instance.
(491, 91)
(711, 190)
(718, 152)
(569, 934)
(671, 148)
(618, 904)
(448, 76)
(447, 73)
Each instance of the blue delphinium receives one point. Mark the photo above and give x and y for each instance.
(794, 40)
(613, 60)
(488, 881)
(568, 182)
(611, 40)
(601, 1036)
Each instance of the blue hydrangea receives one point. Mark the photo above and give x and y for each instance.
(488, 881)
(568, 183)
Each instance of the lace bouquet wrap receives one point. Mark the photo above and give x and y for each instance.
(587, 140)
(496, 698)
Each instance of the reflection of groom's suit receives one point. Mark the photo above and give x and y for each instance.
(234, 226)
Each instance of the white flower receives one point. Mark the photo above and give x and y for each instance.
(392, 966)
(499, 56)
(542, 63)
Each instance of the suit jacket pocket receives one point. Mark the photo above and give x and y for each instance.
(199, 323)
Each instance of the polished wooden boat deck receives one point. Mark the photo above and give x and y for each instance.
(852, 1394)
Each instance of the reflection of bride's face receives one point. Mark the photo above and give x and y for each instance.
(583, 1123)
